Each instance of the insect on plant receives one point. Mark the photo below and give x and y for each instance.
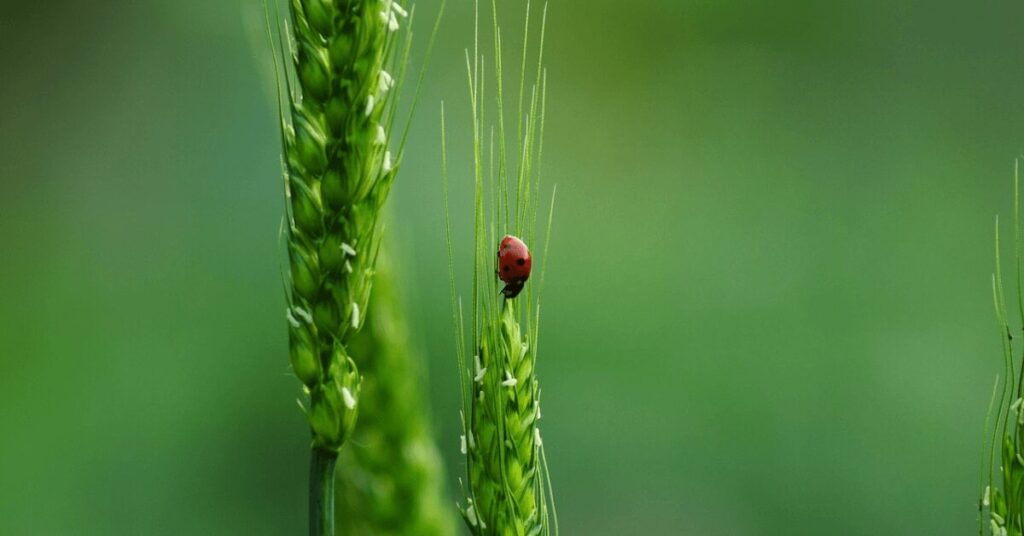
(507, 487)
(514, 264)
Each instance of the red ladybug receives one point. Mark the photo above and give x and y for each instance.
(514, 263)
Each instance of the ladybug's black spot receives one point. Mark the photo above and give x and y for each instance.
(506, 268)
(520, 261)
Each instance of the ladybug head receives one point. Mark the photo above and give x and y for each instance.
(513, 289)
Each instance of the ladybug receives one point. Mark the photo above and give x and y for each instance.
(514, 263)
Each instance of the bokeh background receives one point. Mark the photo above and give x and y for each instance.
(767, 304)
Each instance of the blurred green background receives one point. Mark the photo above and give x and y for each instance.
(767, 303)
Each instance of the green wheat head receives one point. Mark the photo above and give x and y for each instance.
(390, 476)
(1003, 498)
(508, 490)
(336, 121)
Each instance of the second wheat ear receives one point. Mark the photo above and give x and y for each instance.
(507, 486)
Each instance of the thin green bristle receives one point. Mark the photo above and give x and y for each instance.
(1005, 502)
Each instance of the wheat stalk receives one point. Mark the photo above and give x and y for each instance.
(508, 490)
(1005, 504)
(338, 171)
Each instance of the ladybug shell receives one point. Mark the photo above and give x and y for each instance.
(514, 264)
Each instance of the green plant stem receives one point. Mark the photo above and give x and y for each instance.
(321, 491)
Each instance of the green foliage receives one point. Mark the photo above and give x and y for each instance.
(508, 490)
(1005, 504)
